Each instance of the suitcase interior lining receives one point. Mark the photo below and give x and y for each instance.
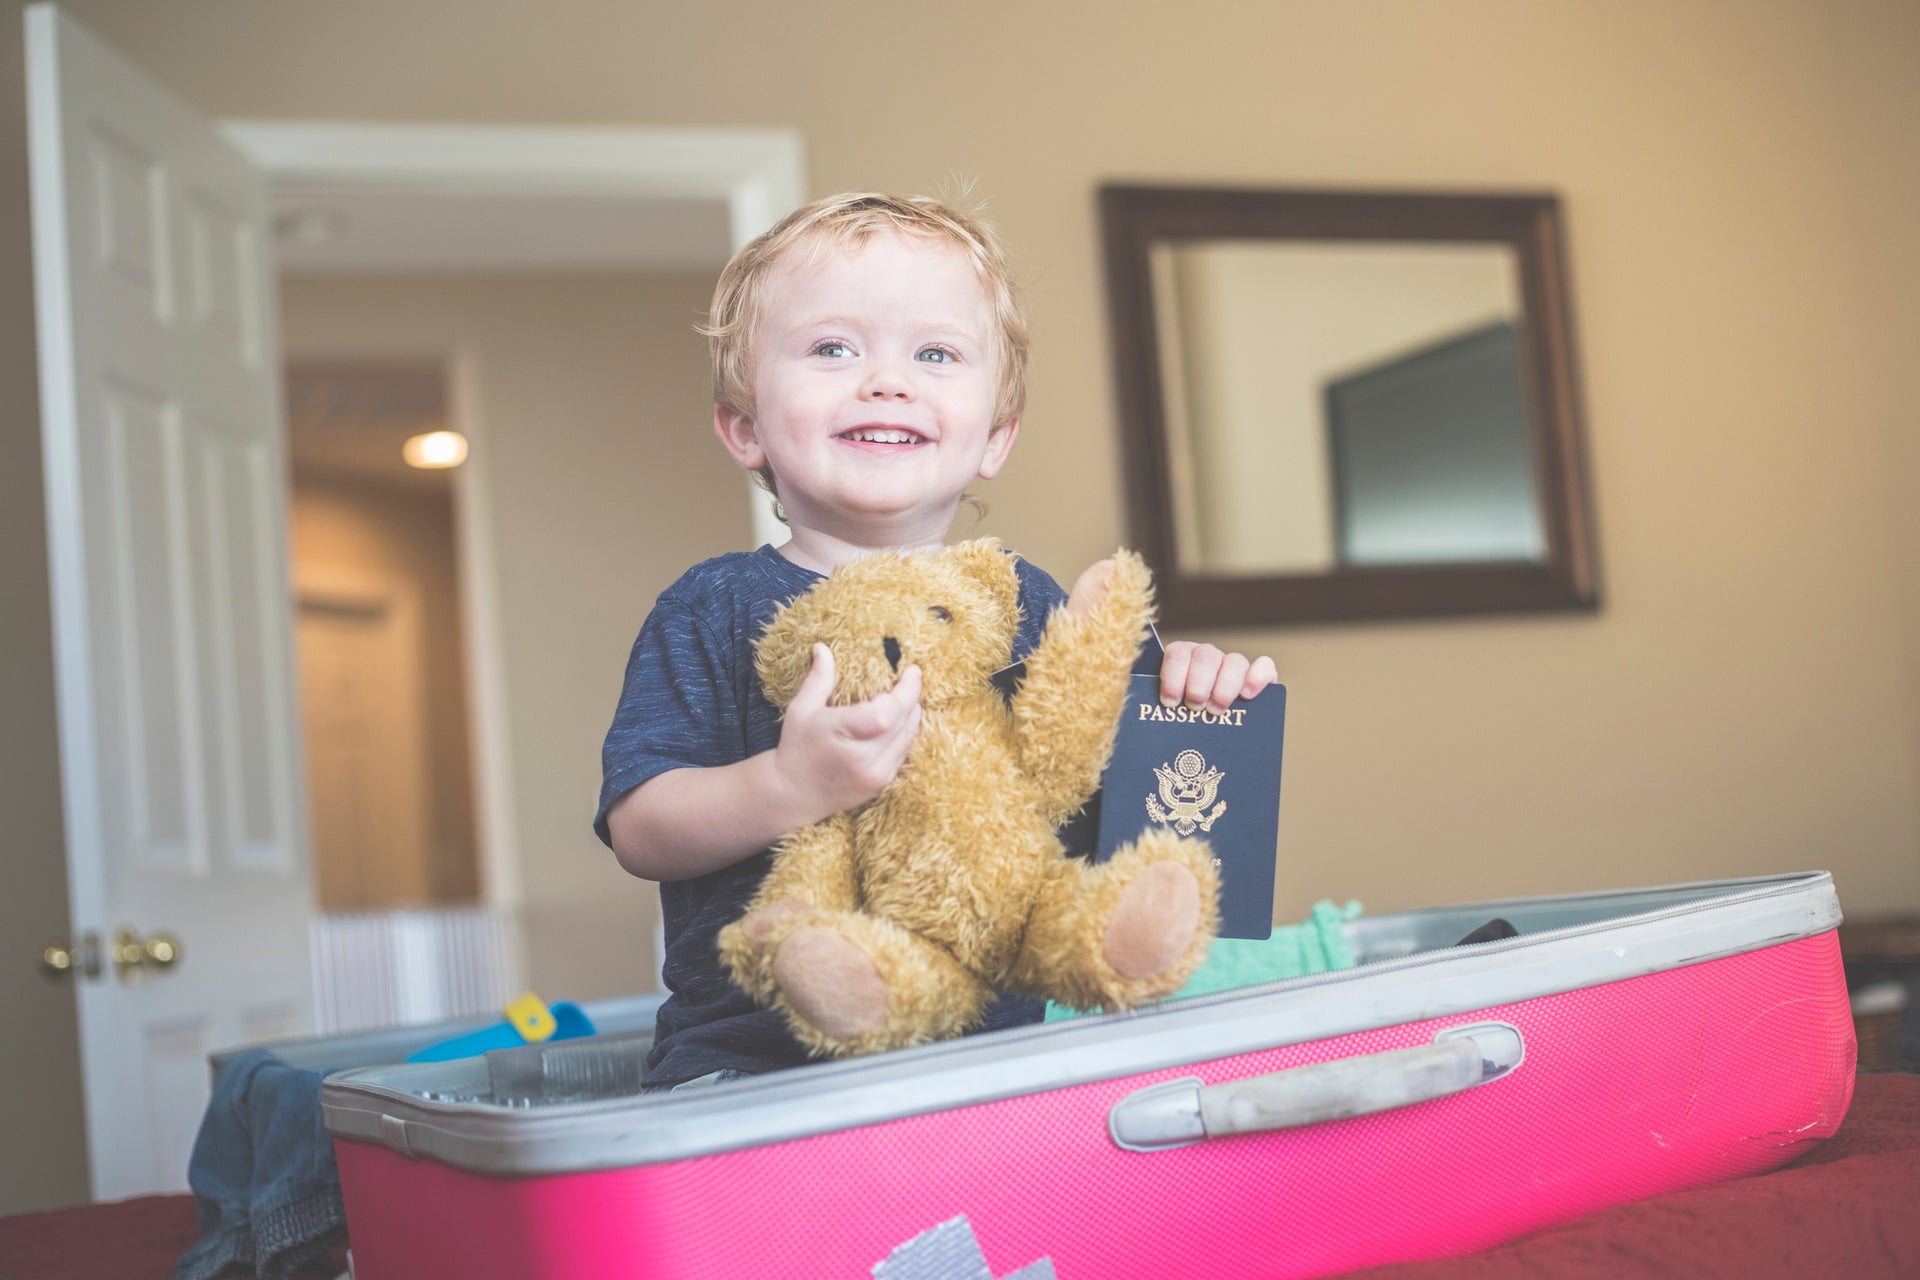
(611, 1066)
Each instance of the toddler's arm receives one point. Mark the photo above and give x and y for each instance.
(688, 822)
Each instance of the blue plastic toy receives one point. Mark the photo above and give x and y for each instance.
(529, 1021)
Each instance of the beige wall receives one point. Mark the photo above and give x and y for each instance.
(604, 483)
(1740, 185)
(1876, 49)
(404, 534)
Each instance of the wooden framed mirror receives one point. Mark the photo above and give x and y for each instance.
(1346, 405)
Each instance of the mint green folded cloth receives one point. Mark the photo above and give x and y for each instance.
(1319, 945)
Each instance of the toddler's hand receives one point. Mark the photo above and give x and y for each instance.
(838, 758)
(1201, 675)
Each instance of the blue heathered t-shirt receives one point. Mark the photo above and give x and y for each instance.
(692, 700)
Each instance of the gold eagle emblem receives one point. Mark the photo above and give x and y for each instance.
(1187, 787)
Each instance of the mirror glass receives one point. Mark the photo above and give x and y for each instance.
(1333, 403)
(1339, 404)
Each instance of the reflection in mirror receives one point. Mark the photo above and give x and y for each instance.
(1334, 403)
(1347, 404)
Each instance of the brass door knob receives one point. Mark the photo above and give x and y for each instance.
(159, 952)
(83, 958)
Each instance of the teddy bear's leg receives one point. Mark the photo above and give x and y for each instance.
(812, 869)
(1128, 930)
(1068, 706)
(851, 984)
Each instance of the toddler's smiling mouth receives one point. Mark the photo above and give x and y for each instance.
(882, 435)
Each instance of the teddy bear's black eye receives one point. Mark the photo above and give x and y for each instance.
(939, 614)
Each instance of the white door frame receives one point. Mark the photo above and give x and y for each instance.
(757, 172)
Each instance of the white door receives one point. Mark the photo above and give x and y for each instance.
(166, 519)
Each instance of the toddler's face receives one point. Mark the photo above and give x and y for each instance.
(874, 388)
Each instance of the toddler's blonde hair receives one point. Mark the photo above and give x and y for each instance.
(840, 222)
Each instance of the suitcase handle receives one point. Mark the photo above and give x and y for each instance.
(1178, 1113)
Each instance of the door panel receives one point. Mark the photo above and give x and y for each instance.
(172, 614)
(235, 532)
(147, 633)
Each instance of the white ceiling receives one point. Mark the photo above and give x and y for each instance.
(384, 231)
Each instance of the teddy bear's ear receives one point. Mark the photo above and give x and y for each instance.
(982, 560)
(783, 654)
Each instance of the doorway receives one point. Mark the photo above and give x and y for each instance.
(401, 251)
(378, 634)
(557, 336)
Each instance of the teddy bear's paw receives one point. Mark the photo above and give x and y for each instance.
(747, 946)
(830, 984)
(1119, 584)
(757, 927)
(1124, 932)
(1116, 584)
(1162, 924)
(1089, 588)
(1153, 922)
(853, 984)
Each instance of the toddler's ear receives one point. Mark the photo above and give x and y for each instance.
(740, 435)
(999, 445)
(982, 560)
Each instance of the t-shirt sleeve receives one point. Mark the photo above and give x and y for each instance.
(1040, 595)
(677, 707)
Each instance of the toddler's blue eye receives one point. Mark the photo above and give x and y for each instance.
(936, 355)
(834, 350)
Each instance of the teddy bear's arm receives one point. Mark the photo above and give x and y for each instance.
(1067, 709)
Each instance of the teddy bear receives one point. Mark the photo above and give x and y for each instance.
(893, 924)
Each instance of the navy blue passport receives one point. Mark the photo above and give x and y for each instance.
(1213, 777)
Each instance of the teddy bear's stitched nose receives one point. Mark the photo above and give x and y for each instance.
(892, 647)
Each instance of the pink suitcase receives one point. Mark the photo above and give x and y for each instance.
(1433, 1101)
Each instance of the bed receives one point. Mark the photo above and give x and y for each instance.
(1850, 1206)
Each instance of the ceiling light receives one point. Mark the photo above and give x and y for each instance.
(435, 450)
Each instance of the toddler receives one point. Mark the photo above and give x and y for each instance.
(869, 361)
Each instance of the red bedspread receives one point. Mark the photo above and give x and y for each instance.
(1850, 1207)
